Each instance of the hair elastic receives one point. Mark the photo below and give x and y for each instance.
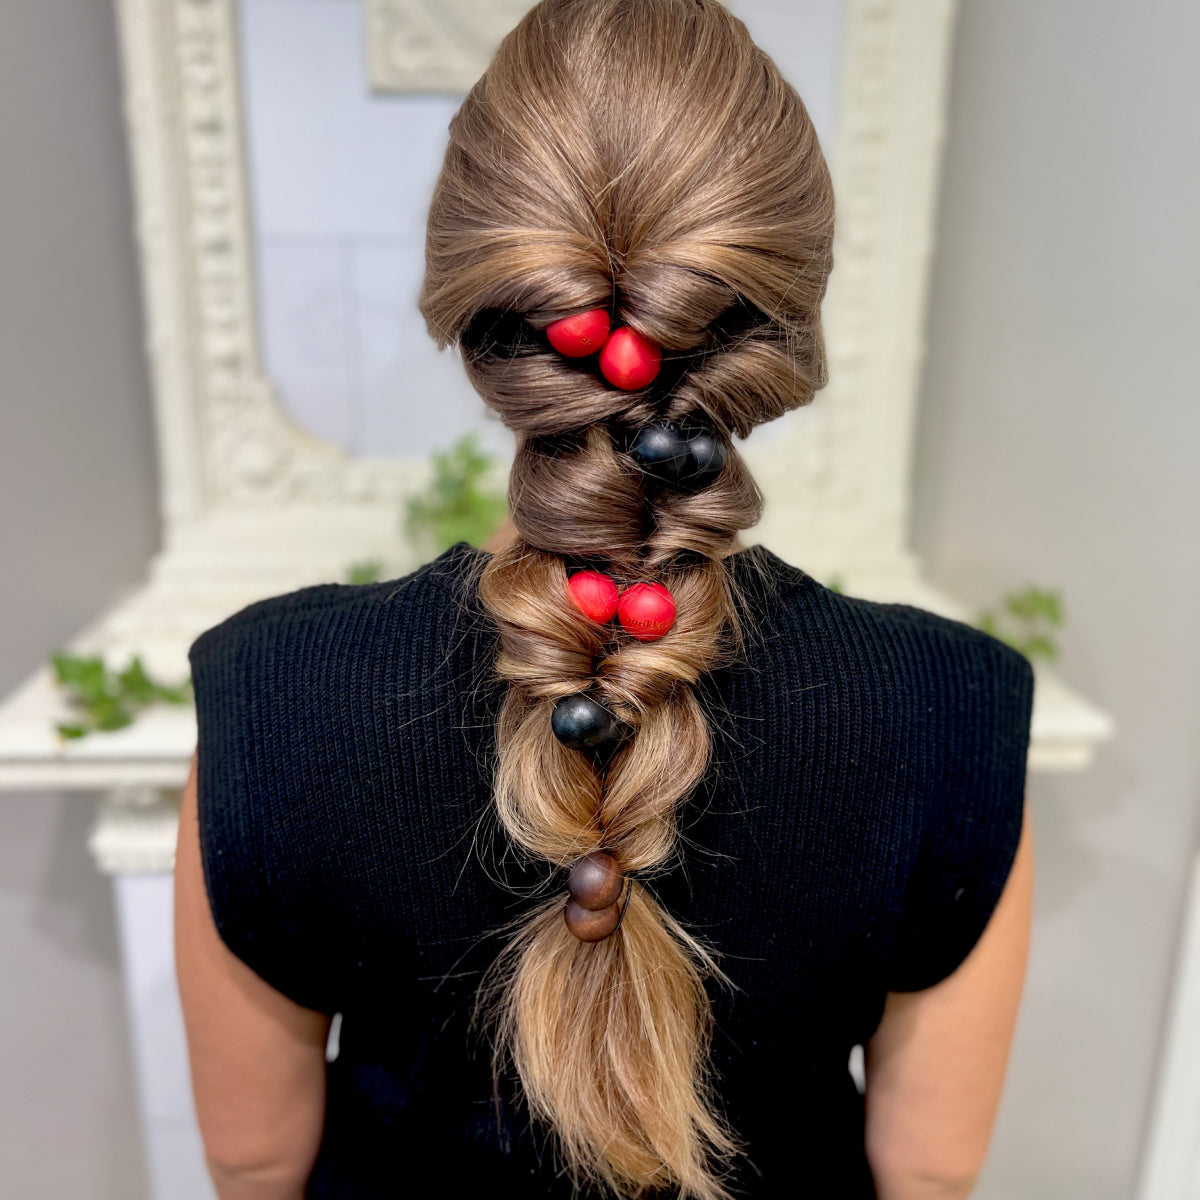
(686, 457)
(595, 594)
(624, 903)
(587, 925)
(580, 335)
(646, 610)
(581, 722)
(627, 360)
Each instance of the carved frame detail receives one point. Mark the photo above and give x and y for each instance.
(435, 45)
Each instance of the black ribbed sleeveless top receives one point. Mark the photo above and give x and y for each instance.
(852, 836)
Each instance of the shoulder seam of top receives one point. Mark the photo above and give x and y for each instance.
(793, 577)
(319, 597)
(926, 620)
(915, 613)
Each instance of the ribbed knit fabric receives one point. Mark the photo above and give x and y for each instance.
(852, 837)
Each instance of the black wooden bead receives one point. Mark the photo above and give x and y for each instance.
(706, 454)
(662, 451)
(584, 724)
(690, 457)
(595, 881)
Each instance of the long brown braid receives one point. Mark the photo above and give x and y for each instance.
(646, 157)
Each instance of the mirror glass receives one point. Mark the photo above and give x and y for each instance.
(339, 177)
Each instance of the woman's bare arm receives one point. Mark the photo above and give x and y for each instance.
(257, 1058)
(935, 1066)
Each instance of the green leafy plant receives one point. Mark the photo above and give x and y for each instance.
(1027, 620)
(105, 699)
(370, 570)
(456, 506)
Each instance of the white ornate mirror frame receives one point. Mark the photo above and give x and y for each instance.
(252, 505)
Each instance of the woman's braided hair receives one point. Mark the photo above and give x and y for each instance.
(643, 156)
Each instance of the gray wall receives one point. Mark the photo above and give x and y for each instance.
(78, 497)
(1059, 432)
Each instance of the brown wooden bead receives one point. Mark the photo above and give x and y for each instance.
(591, 925)
(595, 881)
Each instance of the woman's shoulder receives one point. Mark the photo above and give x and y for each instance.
(328, 608)
(887, 637)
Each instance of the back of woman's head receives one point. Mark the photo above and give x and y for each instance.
(643, 157)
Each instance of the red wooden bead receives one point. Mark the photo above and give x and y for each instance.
(594, 594)
(628, 360)
(580, 335)
(646, 611)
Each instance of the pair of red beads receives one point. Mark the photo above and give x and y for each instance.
(646, 611)
(627, 360)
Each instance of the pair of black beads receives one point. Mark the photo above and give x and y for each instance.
(595, 885)
(681, 456)
(583, 723)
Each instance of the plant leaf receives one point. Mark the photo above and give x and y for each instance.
(455, 507)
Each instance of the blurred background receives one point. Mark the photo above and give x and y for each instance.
(216, 386)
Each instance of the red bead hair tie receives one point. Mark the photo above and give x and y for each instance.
(580, 335)
(627, 360)
(646, 611)
(595, 595)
